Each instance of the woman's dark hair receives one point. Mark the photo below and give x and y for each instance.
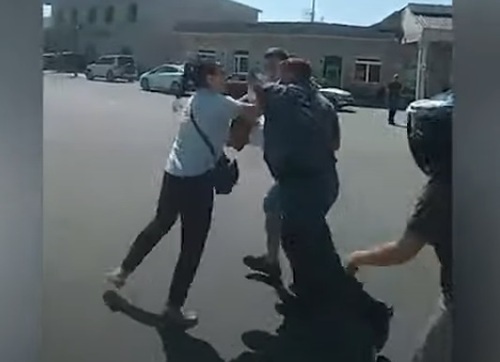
(202, 69)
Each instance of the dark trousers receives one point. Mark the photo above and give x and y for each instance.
(319, 276)
(392, 114)
(191, 198)
(393, 103)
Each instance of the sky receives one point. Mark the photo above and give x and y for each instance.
(354, 12)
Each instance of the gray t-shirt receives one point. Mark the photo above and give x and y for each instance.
(189, 155)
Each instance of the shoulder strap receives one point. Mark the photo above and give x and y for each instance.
(202, 134)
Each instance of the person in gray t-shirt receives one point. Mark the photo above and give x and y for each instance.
(269, 262)
(187, 189)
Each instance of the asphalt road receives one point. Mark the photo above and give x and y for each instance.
(105, 149)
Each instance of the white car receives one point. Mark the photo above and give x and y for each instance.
(427, 105)
(165, 78)
(340, 98)
(113, 67)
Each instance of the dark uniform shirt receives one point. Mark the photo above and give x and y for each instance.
(394, 89)
(394, 93)
(431, 221)
(299, 127)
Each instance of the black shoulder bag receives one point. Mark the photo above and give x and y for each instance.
(226, 172)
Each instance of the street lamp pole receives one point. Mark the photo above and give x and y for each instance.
(313, 11)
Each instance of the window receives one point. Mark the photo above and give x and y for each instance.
(367, 70)
(132, 13)
(125, 61)
(106, 60)
(207, 54)
(92, 15)
(74, 16)
(109, 15)
(241, 62)
(167, 69)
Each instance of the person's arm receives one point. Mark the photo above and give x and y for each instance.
(431, 213)
(387, 254)
(244, 112)
(239, 134)
(243, 118)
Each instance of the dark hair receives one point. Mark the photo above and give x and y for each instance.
(202, 69)
(300, 68)
(278, 53)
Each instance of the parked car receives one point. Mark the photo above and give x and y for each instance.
(64, 62)
(112, 67)
(236, 87)
(164, 78)
(49, 61)
(340, 98)
(427, 105)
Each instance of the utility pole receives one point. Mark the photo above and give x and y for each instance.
(313, 11)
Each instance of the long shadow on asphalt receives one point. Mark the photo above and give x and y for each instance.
(336, 337)
(178, 345)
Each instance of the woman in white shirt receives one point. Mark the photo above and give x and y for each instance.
(187, 189)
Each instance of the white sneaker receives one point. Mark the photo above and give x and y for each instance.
(185, 320)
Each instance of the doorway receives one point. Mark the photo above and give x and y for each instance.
(332, 71)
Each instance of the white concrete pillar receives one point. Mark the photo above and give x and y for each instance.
(423, 49)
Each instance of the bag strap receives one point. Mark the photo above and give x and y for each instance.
(202, 134)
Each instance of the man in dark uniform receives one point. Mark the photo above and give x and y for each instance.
(298, 134)
(430, 224)
(394, 95)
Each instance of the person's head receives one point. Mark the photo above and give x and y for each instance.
(272, 58)
(430, 140)
(295, 70)
(396, 76)
(210, 75)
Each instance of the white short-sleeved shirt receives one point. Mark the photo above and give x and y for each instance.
(189, 155)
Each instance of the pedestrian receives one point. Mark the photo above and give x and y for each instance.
(430, 224)
(394, 96)
(298, 134)
(269, 262)
(188, 186)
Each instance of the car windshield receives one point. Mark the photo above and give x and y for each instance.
(446, 96)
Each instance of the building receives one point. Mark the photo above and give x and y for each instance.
(426, 37)
(415, 42)
(143, 28)
(359, 58)
(430, 30)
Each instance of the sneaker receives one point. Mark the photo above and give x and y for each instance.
(261, 264)
(182, 319)
(117, 277)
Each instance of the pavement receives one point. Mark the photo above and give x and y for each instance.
(104, 152)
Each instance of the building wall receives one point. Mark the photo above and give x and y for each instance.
(313, 48)
(412, 29)
(439, 67)
(151, 37)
